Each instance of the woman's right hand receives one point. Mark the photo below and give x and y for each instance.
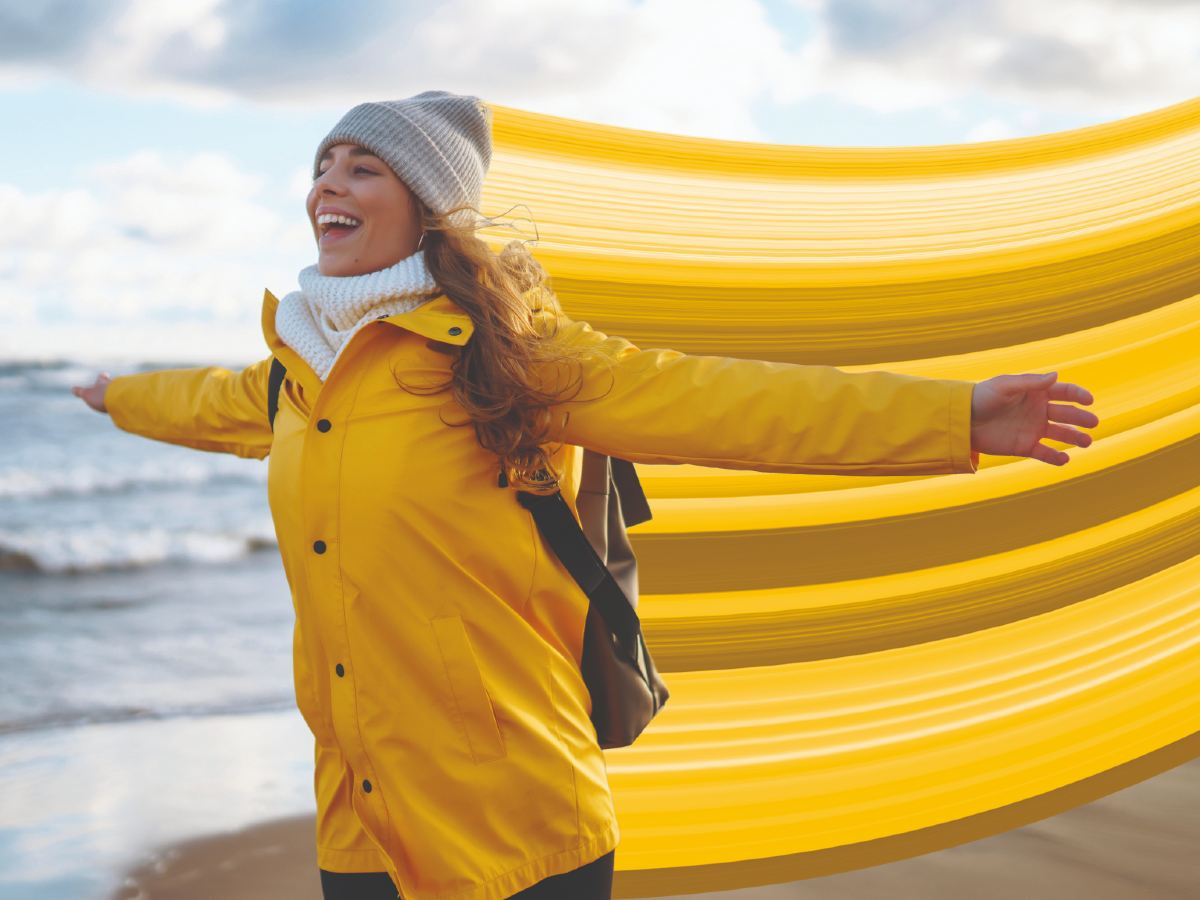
(93, 396)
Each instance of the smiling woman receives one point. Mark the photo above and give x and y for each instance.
(438, 642)
(363, 216)
(448, 761)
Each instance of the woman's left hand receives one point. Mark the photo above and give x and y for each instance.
(1010, 414)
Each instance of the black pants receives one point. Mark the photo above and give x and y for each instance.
(589, 882)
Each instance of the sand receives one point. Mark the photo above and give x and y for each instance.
(1140, 843)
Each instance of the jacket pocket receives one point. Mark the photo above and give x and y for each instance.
(470, 696)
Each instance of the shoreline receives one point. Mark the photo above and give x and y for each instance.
(1136, 843)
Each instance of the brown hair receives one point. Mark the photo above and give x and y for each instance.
(497, 376)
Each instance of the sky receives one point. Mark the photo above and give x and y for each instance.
(157, 154)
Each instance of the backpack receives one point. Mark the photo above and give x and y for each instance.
(626, 689)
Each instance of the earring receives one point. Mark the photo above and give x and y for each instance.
(420, 240)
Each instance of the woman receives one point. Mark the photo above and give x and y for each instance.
(438, 640)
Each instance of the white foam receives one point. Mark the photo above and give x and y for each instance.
(83, 478)
(96, 547)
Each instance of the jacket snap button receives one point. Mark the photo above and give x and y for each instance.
(456, 330)
(319, 546)
(366, 786)
(323, 425)
(340, 670)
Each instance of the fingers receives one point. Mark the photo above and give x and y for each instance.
(1065, 390)
(103, 376)
(1068, 435)
(1049, 455)
(79, 390)
(1060, 412)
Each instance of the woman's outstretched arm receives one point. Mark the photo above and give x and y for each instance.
(206, 408)
(664, 406)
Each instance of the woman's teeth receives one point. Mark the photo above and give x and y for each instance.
(332, 219)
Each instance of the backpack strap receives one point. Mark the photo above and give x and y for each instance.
(565, 536)
(274, 383)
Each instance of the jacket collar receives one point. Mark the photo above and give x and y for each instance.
(439, 319)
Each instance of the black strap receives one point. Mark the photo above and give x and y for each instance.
(274, 383)
(560, 528)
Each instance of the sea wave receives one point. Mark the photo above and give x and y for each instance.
(74, 717)
(58, 375)
(95, 548)
(82, 479)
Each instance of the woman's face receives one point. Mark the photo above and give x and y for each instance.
(356, 184)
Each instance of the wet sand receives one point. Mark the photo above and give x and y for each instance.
(1140, 843)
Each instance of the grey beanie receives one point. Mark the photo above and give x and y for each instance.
(438, 143)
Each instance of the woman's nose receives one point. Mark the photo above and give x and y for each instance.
(330, 179)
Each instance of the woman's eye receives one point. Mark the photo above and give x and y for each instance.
(356, 169)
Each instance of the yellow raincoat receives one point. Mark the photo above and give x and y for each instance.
(437, 637)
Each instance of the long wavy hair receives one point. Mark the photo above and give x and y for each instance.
(499, 376)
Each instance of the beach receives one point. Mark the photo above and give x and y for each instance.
(1140, 843)
(150, 746)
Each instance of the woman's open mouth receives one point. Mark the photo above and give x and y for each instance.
(336, 228)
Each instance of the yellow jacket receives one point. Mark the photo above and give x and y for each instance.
(437, 638)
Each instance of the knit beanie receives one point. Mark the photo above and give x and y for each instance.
(438, 143)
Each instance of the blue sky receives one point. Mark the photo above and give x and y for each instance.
(156, 162)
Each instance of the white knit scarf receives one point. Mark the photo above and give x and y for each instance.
(318, 320)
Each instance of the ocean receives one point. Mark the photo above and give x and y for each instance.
(145, 642)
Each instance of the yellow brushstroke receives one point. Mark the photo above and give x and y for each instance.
(864, 669)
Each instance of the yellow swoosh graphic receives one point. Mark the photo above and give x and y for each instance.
(866, 669)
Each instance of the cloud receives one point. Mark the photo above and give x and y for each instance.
(183, 245)
(990, 129)
(664, 65)
(50, 33)
(865, 27)
(1110, 57)
(656, 64)
(203, 203)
